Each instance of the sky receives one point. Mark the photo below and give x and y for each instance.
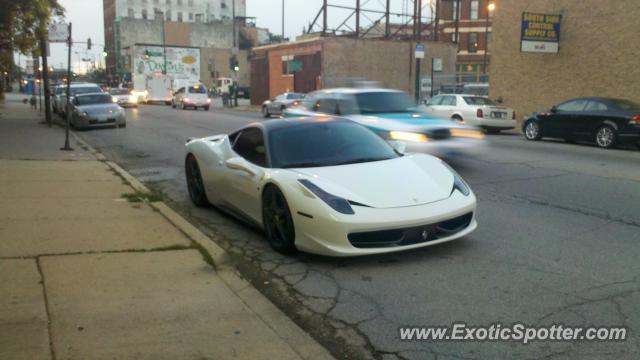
(87, 19)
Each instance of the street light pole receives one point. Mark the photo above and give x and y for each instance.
(490, 8)
(283, 20)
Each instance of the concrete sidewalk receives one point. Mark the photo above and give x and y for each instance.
(88, 274)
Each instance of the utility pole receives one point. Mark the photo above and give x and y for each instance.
(45, 78)
(67, 147)
(282, 20)
(234, 95)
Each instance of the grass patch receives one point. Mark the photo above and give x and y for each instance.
(205, 254)
(140, 196)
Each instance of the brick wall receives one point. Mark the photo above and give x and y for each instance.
(599, 47)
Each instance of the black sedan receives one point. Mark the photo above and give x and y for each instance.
(605, 121)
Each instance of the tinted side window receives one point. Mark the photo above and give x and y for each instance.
(572, 106)
(327, 105)
(436, 100)
(250, 145)
(595, 106)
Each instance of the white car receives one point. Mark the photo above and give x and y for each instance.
(123, 97)
(472, 110)
(329, 186)
(193, 96)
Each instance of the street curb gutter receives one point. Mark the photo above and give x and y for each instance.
(299, 341)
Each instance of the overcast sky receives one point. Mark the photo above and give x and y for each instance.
(87, 19)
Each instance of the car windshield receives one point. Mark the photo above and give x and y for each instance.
(197, 89)
(85, 90)
(119, 91)
(477, 100)
(326, 144)
(295, 96)
(94, 99)
(626, 105)
(384, 102)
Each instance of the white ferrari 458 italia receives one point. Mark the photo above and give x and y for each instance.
(330, 187)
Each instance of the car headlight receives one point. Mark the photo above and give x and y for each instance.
(458, 183)
(467, 133)
(336, 203)
(114, 99)
(408, 136)
(133, 99)
(84, 114)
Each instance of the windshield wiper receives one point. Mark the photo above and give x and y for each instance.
(303, 165)
(361, 160)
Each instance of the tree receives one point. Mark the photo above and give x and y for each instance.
(22, 24)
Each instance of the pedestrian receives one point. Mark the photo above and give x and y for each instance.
(32, 101)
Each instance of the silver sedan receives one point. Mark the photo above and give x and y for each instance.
(96, 110)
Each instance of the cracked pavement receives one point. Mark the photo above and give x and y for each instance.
(557, 243)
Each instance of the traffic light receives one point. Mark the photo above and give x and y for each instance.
(89, 44)
(234, 65)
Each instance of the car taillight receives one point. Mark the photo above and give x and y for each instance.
(479, 113)
(295, 103)
(635, 120)
(513, 115)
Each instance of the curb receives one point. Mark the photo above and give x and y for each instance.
(298, 340)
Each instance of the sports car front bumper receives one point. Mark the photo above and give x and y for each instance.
(328, 233)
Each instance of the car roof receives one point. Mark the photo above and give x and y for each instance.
(93, 93)
(84, 85)
(275, 124)
(357, 90)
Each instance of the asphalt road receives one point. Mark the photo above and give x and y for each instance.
(558, 242)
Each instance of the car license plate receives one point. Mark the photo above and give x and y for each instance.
(498, 115)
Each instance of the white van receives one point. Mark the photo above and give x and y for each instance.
(193, 96)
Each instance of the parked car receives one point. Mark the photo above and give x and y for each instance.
(319, 185)
(96, 110)
(193, 96)
(604, 121)
(280, 103)
(473, 110)
(76, 88)
(123, 97)
(393, 116)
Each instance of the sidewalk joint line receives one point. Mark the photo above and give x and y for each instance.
(46, 308)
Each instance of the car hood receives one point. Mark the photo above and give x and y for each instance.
(410, 121)
(122, 97)
(100, 109)
(406, 181)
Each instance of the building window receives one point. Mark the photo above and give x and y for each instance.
(190, 16)
(199, 18)
(473, 43)
(131, 13)
(454, 38)
(223, 4)
(475, 6)
(144, 14)
(179, 16)
(168, 15)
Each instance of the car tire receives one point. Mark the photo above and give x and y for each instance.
(206, 108)
(282, 110)
(532, 131)
(195, 185)
(265, 112)
(173, 105)
(606, 137)
(122, 125)
(277, 221)
(167, 103)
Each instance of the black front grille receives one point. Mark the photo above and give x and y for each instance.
(108, 121)
(411, 235)
(439, 134)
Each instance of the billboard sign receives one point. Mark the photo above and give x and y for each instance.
(540, 33)
(182, 64)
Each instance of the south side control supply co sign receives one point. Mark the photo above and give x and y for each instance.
(540, 33)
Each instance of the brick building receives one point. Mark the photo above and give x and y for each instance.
(597, 54)
(470, 20)
(337, 61)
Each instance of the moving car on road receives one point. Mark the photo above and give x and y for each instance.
(123, 97)
(605, 121)
(77, 88)
(473, 110)
(193, 96)
(280, 103)
(329, 186)
(393, 116)
(96, 110)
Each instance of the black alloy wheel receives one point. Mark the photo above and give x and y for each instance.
(277, 221)
(194, 182)
(265, 112)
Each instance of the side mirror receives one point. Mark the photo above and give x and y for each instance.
(238, 163)
(554, 109)
(399, 146)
